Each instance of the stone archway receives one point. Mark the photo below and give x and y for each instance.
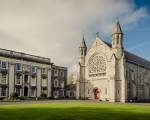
(97, 93)
(25, 91)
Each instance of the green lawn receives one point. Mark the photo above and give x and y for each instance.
(74, 110)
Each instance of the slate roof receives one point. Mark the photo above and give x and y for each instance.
(130, 57)
(24, 56)
(136, 59)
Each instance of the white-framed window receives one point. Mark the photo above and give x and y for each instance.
(3, 91)
(4, 65)
(4, 78)
(56, 94)
(56, 83)
(62, 93)
(55, 72)
(18, 79)
(44, 90)
(33, 81)
(18, 91)
(44, 71)
(26, 78)
(18, 67)
(62, 73)
(33, 69)
(33, 91)
(62, 84)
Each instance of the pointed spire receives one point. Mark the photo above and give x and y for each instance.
(97, 34)
(117, 28)
(83, 44)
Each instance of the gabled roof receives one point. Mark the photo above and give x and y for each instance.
(107, 43)
(130, 57)
(136, 59)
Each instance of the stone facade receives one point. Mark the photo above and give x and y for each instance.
(24, 74)
(108, 72)
(59, 77)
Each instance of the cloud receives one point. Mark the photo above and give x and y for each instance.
(135, 16)
(54, 28)
(139, 45)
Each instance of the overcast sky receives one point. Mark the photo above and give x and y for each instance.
(54, 28)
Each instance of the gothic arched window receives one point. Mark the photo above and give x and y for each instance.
(97, 65)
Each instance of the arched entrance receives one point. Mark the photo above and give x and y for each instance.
(25, 91)
(97, 93)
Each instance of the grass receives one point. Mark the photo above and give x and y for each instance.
(74, 110)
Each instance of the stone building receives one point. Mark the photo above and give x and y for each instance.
(71, 91)
(24, 74)
(108, 72)
(59, 81)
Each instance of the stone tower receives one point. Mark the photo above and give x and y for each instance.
(81, 70)
(117, 40)
(117, 49)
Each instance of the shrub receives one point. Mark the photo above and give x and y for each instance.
(14, 95)
(22, 98)
(43, 95)
(1, 98)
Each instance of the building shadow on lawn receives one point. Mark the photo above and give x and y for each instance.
(74, 113)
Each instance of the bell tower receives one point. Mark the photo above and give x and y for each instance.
(81, 71)
(117, 40)
(82, 50)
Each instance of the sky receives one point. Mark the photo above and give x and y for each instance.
(54, 28)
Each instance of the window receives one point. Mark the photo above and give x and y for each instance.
(117, 39)
(33, 69)
(43, 70)
(18, 67)
(56, 94)
(133, 75)
(55, 72)
(4, 65)
(127, 75)
(56, 83)
(4, 78)
(18, 91)
(106, 91)
(26, 78)
(33, 91)
(62, 84)
(33, 81)
(3, 91)
(118, 92)
(97, 65)
(44, 90)
(88, 90)
(18, 79)
(62, 74)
